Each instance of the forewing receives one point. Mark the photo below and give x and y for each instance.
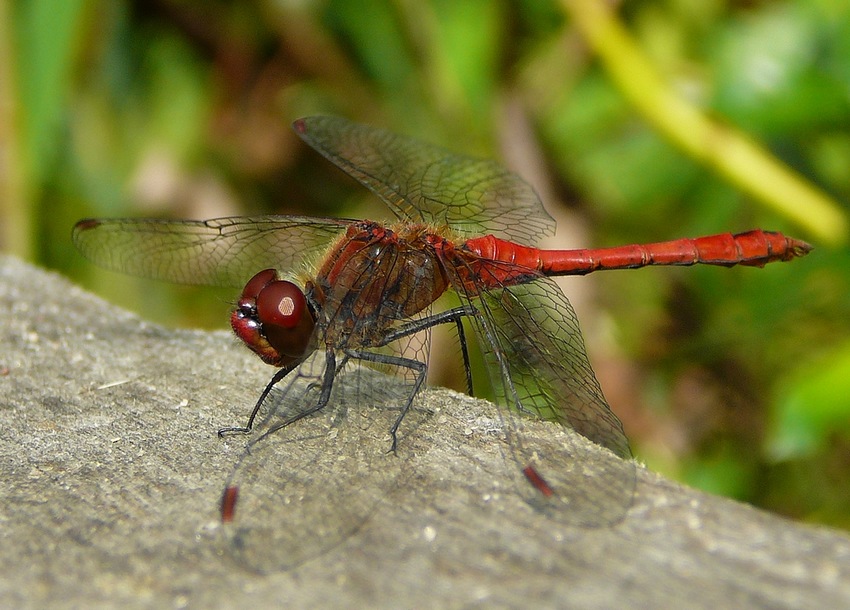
(218, 252)
(310, 486)
(426, 183)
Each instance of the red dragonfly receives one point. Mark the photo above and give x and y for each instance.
(333, 292)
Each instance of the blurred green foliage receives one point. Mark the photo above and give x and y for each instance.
(736, 381)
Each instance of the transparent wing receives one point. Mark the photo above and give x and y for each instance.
(426, 183)
(538, 365)
(534, 326)
(218, 252)
(310, 486)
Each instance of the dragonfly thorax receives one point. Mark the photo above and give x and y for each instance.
(377, 278)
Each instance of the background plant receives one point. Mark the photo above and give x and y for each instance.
(657, 120)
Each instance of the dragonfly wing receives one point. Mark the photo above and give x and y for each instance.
(425, 183)
(331, 469)
(310, 486)
(530, 337)
(537, 330)
(218, 252)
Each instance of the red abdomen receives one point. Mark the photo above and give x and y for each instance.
(753, 248)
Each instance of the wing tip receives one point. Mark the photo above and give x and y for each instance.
(87, 224)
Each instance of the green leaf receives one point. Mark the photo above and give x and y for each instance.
(48, 33)
(812, 408)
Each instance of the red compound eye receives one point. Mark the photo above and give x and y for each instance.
(256, 284)
(273, 319)
(281, 303)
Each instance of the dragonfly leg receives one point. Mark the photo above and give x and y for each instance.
(277, 378)
(321, 403)
(461, 336)
(455, 315)
(420, 368)
(339, 366)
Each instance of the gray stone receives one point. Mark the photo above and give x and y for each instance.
(112, 475)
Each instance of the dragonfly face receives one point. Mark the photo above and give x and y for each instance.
(274, 319)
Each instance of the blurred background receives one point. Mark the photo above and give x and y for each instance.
(657, 120)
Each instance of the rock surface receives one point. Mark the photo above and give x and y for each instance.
(112, 474)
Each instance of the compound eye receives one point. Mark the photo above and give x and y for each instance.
(281, 303)
(256, 284)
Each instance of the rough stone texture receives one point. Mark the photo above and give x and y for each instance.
(112, 473)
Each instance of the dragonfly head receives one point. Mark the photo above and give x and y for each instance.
(274, 319)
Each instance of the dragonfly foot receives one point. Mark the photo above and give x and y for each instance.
(394, 444)
(233, 430)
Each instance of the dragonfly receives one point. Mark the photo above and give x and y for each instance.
(322, 297)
